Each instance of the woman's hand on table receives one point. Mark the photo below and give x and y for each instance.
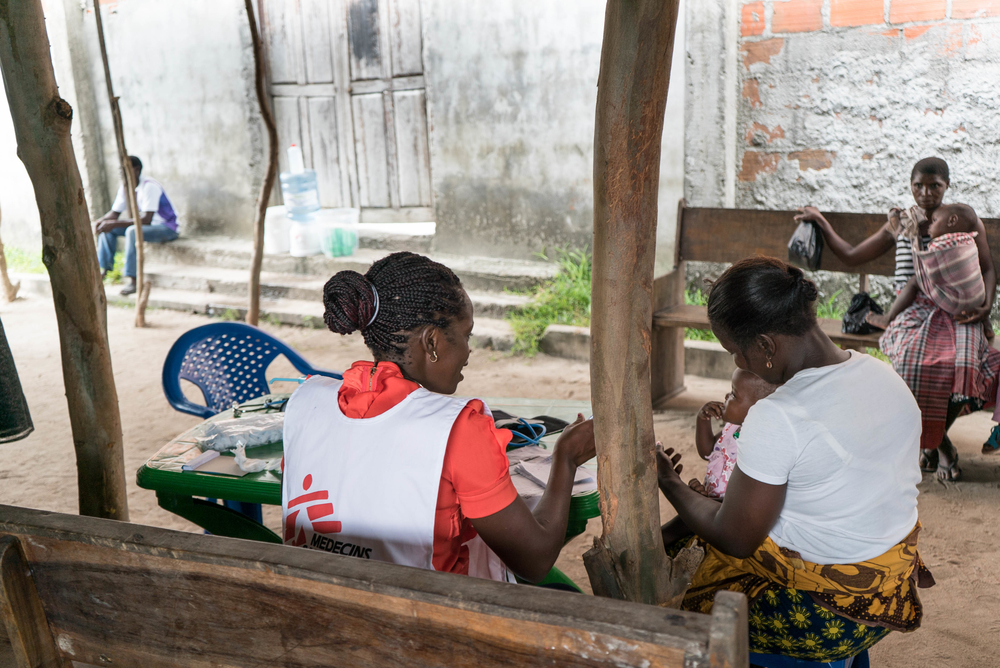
(576, 442)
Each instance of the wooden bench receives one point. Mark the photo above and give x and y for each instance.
(728, 235)
(90, 591)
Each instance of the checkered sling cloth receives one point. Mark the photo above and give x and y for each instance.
(940, 358)
(949, 273)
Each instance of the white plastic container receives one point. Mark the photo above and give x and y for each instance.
(276, 231)
(337, 230)
(303, 239)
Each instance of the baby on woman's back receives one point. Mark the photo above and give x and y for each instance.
(948, 272)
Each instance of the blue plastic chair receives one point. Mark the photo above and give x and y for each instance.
(226, 361)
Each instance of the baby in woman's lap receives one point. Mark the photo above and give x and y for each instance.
(719, 449)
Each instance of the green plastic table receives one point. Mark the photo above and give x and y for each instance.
(178, 491)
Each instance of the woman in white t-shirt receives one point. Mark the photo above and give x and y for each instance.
(819, 523)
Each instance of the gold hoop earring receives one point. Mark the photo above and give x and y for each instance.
(434, 356)
(768, 362)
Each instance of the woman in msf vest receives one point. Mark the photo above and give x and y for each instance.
(386, 465)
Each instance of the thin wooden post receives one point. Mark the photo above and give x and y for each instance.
(9, 289)
(253, 311)
(128, 178)
(42, 127)
(628, 561)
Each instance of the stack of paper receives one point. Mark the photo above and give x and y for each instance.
(531, 474)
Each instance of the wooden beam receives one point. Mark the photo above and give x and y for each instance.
(21, 611)
(253, 310)
(631, 97)
(143, 596)
(42, 127)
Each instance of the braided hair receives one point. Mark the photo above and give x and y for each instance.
(412, 291)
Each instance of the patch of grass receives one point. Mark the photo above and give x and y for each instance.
(20, 261)
(564, 300)
(878, 354)
(829, 308)
(115, 275)
(698, 298)
(230, 315)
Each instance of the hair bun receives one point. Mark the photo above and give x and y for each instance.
(349, 302)
(803, 285)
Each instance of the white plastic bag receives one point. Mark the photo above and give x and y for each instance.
(254, 465)
(251, 430)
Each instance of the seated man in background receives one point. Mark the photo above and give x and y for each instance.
(159, 224)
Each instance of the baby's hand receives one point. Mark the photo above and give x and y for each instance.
(697, 486)
(713, 409)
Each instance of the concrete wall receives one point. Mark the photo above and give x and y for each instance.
(511, 90)
(511, 99)
(834, 100)
(184, 72)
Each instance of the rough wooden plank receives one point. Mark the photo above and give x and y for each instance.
(286, 116)
(342, 77)
(21, 611)
(317, 41)
(283, 34)
(631, 96)
(727, 235)
(412, 149)
(363, 25)
(696, 317)
(666, 358)
(370, 150)
(404, 34)
(325, 150)
(147, 596)
(728, 646)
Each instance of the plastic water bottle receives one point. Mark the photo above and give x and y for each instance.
(301, 194)
(298, 187)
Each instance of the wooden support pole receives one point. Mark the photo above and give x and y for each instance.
(128, 178)
(41, 122)
(253, 311)
(628, 561)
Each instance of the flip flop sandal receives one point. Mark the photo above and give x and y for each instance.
(992, 444)
(950, 472)
(929, 460)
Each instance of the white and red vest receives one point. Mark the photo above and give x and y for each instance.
(368, 487)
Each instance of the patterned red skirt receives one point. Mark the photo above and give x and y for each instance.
(940, 359)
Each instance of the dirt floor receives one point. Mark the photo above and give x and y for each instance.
(961, 522)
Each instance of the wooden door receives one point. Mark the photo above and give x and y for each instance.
(348, 87)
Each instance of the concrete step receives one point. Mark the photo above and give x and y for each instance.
(488, 332)
(477, 273)
(234, 282)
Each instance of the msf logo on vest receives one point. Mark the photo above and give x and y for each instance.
(319, 511)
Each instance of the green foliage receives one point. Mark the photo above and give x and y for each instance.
(698, 298)
(20, 261)
(878, 354)
(230, 315)
(564, 300)
(115, 275)
(829, 308)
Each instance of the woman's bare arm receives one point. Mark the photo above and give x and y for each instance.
(866, 251)
(529, 541)
(740, 524)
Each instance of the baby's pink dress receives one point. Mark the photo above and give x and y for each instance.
(721, 461)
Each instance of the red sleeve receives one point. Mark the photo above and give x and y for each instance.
(476, 463)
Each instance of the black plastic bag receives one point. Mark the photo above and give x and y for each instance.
(805, 248)
(855, 319)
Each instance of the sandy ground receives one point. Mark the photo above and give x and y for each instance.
(961, 523)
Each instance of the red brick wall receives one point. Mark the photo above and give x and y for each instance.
(837, 98)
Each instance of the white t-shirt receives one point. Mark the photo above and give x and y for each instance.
(149, 196)
(845, 438)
